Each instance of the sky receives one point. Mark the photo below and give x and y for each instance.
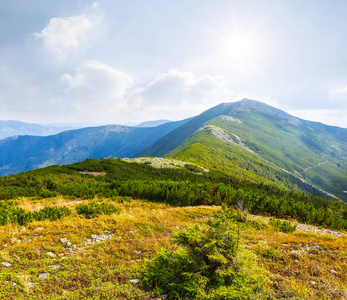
(125, 62)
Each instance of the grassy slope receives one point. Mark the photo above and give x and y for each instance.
(275, 141)
(235, 161)
(104, 270)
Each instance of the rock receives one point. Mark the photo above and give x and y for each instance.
(313, 282)
(5, 245)
(38, 228)
(138, 251)
(68, 244)
(54, 267)
(333, 272)
(29, 240)
(163, 296)
(6, 264)
(135, 281)
(14, 284)
(44, 275)
(63, 240)
(31, 284)
(51, 254)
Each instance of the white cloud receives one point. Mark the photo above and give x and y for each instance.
(177, 89)
(62, 34)
(338, 97)
(95, 5)
(333, 117)
(97, 89)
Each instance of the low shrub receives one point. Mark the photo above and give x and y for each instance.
(284, 226)
(210, 264)
(51, 213)
(93, 209)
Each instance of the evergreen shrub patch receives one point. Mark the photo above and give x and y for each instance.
(211, 263)
(93, 209)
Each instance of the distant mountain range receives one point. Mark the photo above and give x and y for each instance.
(12, 128)
(153, 123)
(247, 138)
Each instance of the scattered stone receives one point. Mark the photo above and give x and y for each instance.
(163, 296)
(313, 282)
(294, 252)
(51, 254)
(138, 251)
(68, 244)
(135, 281)
(29, 240)
(63, 240)
(313, 252)
(54, 267)
(5, 245)
(6, 264)
(38, 228)
(333, 272)
(31, 284)
(14, 284)
(44, 275)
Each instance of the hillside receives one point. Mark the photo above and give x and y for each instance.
(247, 138)
(103, 228)
(252, 138)
(22, 153)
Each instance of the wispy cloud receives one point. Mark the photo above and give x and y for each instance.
(62, 34)
(96, 89)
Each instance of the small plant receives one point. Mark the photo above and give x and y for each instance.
(211, 264)
(93, 209)
(271, 253)
(257, 224)
(193, 168)
(284, 226)
(51, 213)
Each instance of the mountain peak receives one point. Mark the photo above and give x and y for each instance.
(249, 105)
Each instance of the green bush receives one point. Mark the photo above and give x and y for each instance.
(10, 213)
(93, 209)
(211, 264)
(284, 226)
(51, 213)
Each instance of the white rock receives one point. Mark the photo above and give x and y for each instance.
(51, 254)
(54, 267)
(135, 281)
(44, 275)
(6, 264)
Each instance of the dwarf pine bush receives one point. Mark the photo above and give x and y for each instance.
(284, 226)
(210, 264)
(93, 209)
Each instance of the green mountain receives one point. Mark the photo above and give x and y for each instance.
(247, 140)
(254, 140)
(22, 153)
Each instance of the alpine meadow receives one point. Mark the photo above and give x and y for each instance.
(178, 150)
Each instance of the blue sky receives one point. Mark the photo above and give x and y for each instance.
(131, 61)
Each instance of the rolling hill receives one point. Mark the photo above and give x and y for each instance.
(245, 139)
(251, 138)
(22, 153)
